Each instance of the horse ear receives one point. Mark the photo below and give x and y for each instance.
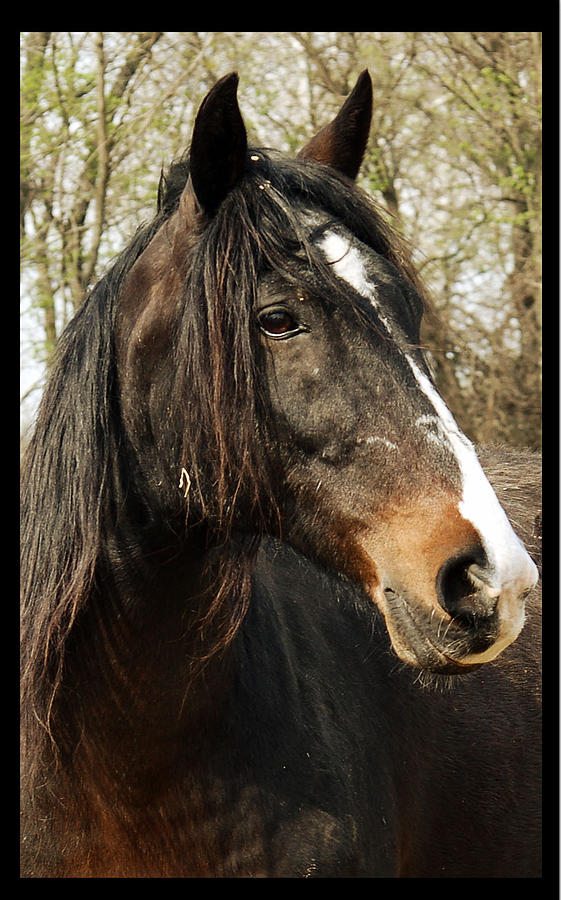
(219, 145)
(342, 143)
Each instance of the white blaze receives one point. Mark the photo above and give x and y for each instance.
(512, 569)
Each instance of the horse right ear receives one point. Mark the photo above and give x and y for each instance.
(218, 147)
(342, 143)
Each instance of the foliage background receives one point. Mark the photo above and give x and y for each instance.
(454, 157)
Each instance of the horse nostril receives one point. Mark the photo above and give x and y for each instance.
(464, 588)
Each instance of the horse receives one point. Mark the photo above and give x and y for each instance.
(275, 621)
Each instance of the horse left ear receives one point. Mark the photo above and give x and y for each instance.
(219, 145)
(342, 143)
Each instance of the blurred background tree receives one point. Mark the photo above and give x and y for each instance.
(454, 158)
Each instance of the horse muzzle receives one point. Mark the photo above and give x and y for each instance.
(447, 609)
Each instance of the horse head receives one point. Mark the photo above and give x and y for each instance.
(272, 380)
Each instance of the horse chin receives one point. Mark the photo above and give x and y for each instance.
(441, 646)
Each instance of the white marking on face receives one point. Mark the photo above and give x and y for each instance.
(346, 261)
(439, 437)
(349, 265)
(513, 570)
(373, 439)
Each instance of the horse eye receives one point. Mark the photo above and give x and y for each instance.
(278, 323)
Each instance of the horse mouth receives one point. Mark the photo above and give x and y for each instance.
(434, 641)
